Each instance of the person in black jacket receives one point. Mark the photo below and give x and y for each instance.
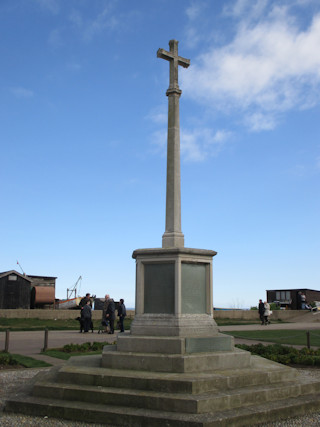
(83, 303)
(122, 312)
(110, 315)
(261, 312)
(86, 312)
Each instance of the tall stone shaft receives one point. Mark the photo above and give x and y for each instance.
(173, 236)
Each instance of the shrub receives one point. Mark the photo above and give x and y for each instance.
(83, 348)
(285, 354)
(7, 359)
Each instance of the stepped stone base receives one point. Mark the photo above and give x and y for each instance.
(125, 388)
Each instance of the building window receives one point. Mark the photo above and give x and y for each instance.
(12, 277)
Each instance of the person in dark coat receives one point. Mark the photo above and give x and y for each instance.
(122, 312)
(82, 303)
(104, 320)
(299, 301)
(110, 314)
(261, 311)
(86, 313)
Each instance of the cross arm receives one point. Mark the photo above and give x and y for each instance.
(164, 54)
(184, 62)
(168, 56)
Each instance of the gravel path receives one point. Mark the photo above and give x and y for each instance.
(10, 381)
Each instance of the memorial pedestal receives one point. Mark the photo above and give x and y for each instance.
(174, 313)
(174, 292)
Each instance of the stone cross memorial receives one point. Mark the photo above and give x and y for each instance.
(174, 283)
(174, 368)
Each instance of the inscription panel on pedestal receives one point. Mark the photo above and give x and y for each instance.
(159, 288)
(193, 288)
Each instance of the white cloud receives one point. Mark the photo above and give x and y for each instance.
(196, 145)
(159, 141)
(89, 27)
(158, 115)
(195, 13)
(105, 20)
(247, 9)
(200, 143)
(20, 92)
(50, 5)
(76, 18)
(194, 10)
(55, 38)
(270, 67)
(74, 66)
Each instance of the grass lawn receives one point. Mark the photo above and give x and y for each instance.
(228, 322)
(69, 350)
(291, 336)
(50, 324)
(17, 361)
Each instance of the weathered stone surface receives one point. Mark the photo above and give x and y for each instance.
(173, 236)
(233, 397)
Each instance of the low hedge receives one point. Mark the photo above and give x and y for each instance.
(285, 354)
(83, 348)
(7, 359)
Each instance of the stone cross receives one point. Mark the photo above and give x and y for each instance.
(173, 236)
(175, 60)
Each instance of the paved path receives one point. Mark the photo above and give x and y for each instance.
(31, 343)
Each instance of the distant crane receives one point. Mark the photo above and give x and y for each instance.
(73, 290)
(21, 268)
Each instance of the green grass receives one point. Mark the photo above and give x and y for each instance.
(16, 360)
(29, 362)
(69, 350)
(50, 324)
(230, 322)
(290, 337)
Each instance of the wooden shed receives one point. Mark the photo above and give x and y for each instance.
(14, 290)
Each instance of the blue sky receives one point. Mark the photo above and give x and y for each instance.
(83, 116)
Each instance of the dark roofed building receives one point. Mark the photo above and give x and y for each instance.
(14, 290)
(26, 291)
(288, 298)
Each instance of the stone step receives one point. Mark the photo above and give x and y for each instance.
(179, 402)
(135, 417)
(196, 362)
(176, 383)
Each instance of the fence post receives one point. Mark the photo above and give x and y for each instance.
(6, 346)
(308, 340)
(45, 346)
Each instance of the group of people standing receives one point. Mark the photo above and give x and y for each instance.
(108, 314)
(264, 312)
